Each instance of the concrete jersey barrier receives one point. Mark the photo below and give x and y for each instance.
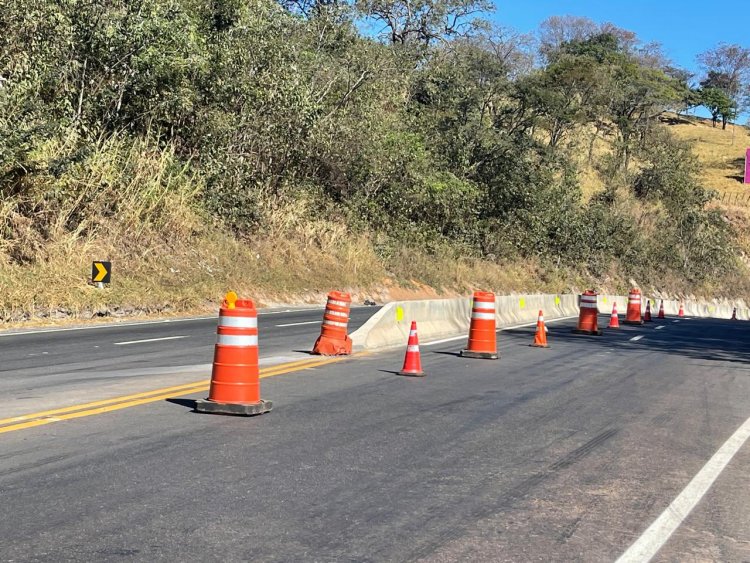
(445, 318)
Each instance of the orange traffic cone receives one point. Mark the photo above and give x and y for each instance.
(540, 338)
(647, 315)
(235, 384)
(614, 320)
(681, 313)
(661, 310)
(734, 314)
(482, 334)
(412, 360)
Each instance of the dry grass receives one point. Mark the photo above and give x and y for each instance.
(133, 204)
(722, 154)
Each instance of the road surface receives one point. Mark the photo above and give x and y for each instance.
(560, 454)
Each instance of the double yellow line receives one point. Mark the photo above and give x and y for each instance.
(108, 405)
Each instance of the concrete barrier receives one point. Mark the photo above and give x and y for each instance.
(445, 318)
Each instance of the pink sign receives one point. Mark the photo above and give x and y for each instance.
(747, 167)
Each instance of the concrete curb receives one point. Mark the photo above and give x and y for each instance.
(445, 318)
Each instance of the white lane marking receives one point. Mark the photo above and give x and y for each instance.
(146, 323)
(637, 338)
(675, 321)
(652, 540)
(149, 340)
(300, 324)
(465, 336)
(117, 325)
(659, 327)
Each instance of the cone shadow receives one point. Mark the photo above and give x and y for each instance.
(188, 403)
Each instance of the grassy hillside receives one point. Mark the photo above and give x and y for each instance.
(721, 154)
(281, 153)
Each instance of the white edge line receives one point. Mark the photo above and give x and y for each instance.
(300, 324)
(465, 336)
(654, 538)
(149, 340)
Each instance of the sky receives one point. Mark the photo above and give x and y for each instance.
(685, 28)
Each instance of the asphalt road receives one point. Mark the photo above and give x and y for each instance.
(559, 454)
(52, 368)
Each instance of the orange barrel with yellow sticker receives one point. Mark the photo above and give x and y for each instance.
(235, 379)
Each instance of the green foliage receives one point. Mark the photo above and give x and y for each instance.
(435, 137)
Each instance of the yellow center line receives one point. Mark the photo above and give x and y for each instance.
(108, 405)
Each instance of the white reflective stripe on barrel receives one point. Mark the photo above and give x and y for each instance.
(589, 298)
(488, 305)
(238, 322)
(334, 323)
(412, 348)
(483, 316)
(337, 314)
(588, 305)
(338, 303)
(237, 340)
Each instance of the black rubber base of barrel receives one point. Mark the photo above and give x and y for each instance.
(633, 322)
(587, 332)
(479, 355)
(539, 345)
(236, 409)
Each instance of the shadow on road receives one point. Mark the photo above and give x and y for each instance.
(189, 403)
(702, 339)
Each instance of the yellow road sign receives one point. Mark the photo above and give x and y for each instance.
(101, 272)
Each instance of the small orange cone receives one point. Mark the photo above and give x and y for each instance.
(647, 315)
(540, 338)
(734, 314)
(412, 360)
(681, 313)
(661, 310)
(614, 320)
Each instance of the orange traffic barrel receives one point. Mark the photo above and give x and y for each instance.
(482, 334)
(235, 379)
(633, 316)
(333, 339)
(588, 319)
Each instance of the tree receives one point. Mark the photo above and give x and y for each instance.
(556, 31)
(719, 104)
(421, 22)
(731, 63)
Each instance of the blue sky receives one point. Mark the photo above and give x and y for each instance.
(685, 28)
